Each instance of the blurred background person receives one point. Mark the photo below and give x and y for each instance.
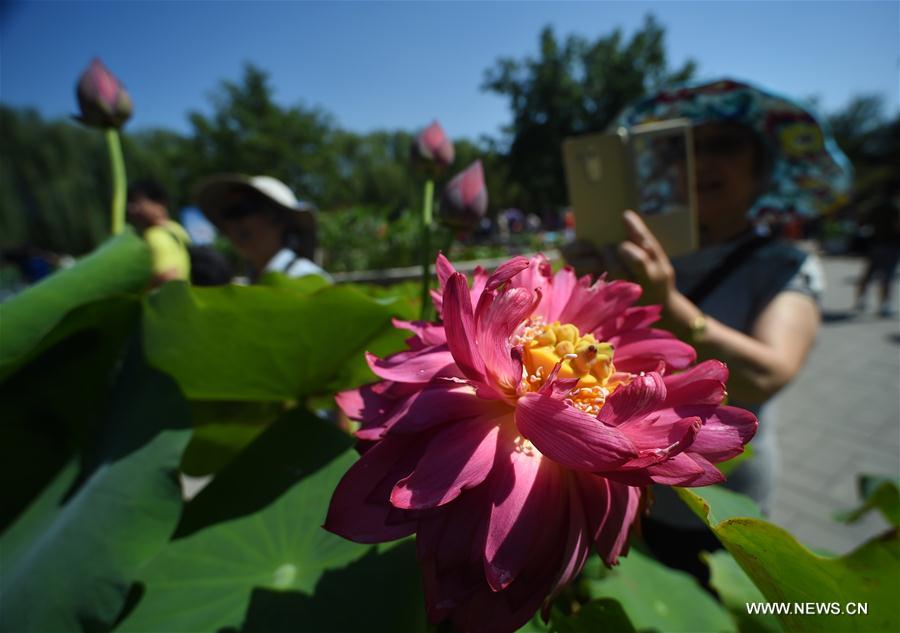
(744, 296)
(883, 253)
(174, 255)
(147, 209)
(264, 221)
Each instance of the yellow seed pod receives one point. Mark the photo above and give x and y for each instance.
(565, 347)
(567, 332)
(546, 339)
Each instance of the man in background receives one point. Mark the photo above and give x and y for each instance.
(173, 255)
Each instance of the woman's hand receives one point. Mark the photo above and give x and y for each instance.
(648, 262)
(761, 362)
(651, 268)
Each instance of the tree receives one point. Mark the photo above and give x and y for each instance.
(872, 143)
(54, 184)
(249, 133)
(573, 87)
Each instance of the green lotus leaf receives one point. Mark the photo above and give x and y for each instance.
(122, 265)
(70, 559)
(258, 343)
(785, 571)
(255, 530)
(653, 596)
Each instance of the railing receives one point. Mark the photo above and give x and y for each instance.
(394, 275)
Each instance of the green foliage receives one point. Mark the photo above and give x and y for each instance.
(222, 430)
(383, 587)
(363, 182)
(79, 534)
(250, 552)
(878, 493)
(281, 344)
(736, 590)
(366, 239)
(82, 541)
(248, 132)
(59, 343)
(716, 504)
(256, 526)
(786, 571)
(110, 390)
(871, 140)
(50, 407)
(101, 539)
(121, 266)
(574, 86)
(54, 184)
(602, 614)
(653, 596)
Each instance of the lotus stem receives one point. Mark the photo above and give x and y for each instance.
(117, 166)
(426, 247)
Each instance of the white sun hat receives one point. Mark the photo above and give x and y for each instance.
(213, 195)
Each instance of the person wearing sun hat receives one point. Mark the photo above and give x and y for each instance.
(744, 296)
(807, 173)
(264, 221)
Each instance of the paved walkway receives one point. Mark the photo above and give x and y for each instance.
(840, 417)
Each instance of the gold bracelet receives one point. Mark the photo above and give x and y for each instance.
(697, 328)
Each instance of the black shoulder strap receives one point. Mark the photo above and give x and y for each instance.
(703, 288)
(290, 264)
(175, 236)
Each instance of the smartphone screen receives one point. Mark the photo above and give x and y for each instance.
(660, 171)
(649, 169)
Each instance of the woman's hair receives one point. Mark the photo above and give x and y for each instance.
(149, 189)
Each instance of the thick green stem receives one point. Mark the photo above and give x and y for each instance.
(426, 247)
(117, 166)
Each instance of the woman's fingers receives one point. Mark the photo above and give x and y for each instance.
(640, 234)
(637, 260)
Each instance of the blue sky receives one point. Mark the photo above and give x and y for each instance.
(401, 64)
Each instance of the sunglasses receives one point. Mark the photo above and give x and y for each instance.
(723, 144)
(241, 209)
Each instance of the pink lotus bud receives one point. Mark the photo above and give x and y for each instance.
(465, 199)
(432, 146)
(103, 100)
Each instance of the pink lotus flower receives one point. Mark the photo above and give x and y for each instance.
(518, 434)
(433, 147)
(103, 101)
(465, 198)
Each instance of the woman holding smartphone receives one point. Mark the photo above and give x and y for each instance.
(744, 297)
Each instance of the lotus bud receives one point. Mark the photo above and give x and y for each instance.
(432, 148)
(103, 100)
(465, 199)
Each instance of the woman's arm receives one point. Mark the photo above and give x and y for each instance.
(760, 363)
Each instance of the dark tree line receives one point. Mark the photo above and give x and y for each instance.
(54, 178)
(574, 86)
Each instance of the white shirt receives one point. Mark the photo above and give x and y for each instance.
(288, 263)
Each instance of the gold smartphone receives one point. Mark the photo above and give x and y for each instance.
(648, 168)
